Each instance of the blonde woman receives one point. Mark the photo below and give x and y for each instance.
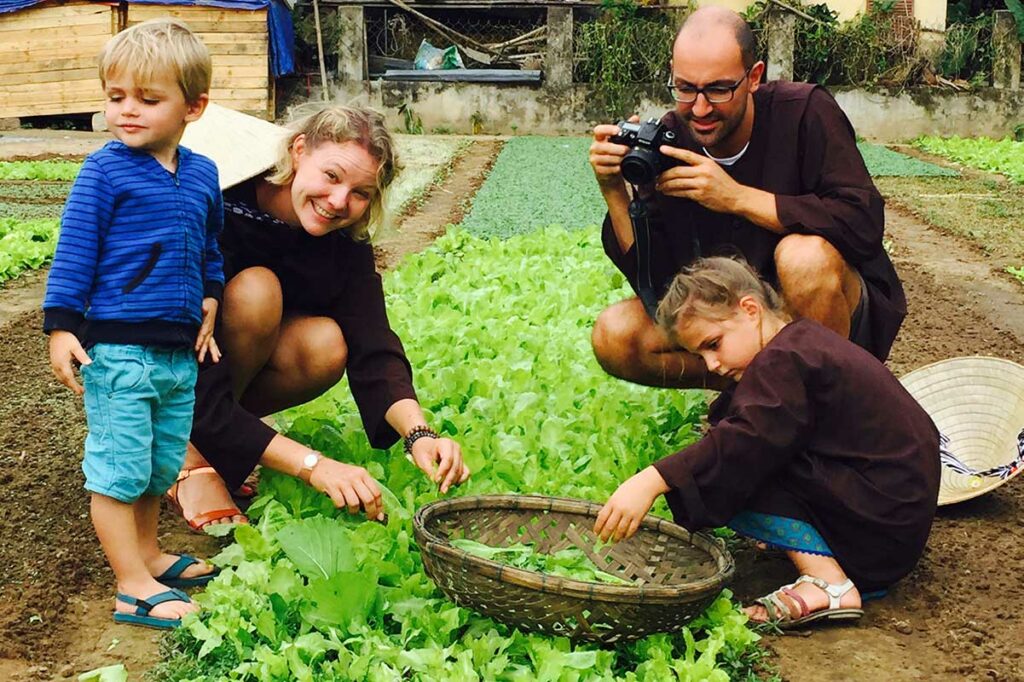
(303, 304)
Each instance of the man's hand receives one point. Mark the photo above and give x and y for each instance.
(205, 341)
(441, 460)
(348, 486)
(606, 156)
(64, 349)
(626, 508)
(700, 179)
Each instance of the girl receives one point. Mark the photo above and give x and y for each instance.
(816, 450)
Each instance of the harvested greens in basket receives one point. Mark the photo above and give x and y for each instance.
(569, 563)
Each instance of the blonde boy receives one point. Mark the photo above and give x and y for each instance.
(132, 296)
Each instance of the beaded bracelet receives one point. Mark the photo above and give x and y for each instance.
(415, 434)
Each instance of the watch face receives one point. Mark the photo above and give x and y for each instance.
(310, 460)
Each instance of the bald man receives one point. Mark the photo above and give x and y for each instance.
(769, 171)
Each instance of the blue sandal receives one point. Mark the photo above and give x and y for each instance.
(144, 606)
(172, 576)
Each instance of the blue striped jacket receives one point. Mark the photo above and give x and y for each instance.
(137, 250)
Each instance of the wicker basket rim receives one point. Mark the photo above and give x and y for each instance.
(551, 584)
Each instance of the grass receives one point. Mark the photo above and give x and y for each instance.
(987, 212)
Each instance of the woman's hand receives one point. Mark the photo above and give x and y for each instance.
(64, 349)
(205, 341)
(625, 509)
(441, 460)
(348, 486)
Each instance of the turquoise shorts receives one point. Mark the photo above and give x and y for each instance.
(138, 404)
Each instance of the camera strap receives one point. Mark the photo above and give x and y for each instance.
(638, 216)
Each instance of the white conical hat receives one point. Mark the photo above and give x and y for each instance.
(978, 404)
(242, 146)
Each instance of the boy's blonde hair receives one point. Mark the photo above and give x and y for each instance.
(340, 124)
(159, 47)
(711, 289)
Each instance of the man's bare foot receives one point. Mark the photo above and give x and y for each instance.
(203, 499)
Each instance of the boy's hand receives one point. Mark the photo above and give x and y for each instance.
(205, 342)
(625, 509)
(64, 349)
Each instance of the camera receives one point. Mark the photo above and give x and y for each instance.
(644, 162)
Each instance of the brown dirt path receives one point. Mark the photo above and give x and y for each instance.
(55, 589)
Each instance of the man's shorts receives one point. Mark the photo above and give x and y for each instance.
(860, 322)
(138, 404)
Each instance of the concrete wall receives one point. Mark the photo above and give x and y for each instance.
(518, 109)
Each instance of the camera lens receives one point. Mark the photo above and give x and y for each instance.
(639, 166)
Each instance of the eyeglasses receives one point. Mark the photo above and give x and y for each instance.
(714, 94)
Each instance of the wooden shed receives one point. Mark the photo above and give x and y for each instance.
(48, 54)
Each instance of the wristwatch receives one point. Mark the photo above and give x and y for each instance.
(309, 462)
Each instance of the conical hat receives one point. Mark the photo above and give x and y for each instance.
(242, 146)
(978, 404)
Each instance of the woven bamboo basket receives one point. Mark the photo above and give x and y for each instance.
(677, 574)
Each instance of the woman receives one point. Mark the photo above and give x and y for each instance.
(303, 304)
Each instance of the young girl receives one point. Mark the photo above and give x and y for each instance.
(816, 450)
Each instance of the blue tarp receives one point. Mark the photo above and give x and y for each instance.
(279, 23)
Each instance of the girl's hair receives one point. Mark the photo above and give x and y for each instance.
(159, 47)
(340, 124)
(711, 288)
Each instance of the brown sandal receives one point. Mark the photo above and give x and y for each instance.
(199, 522)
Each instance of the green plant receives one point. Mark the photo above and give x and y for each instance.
(309, 592)
(410, 119)
(1016, 8)
(476, 122)
(25, 245)
(1004, 156)
(1017, 272)
(967, 53)
(39, 170)
(874, 48)
(521, 195)
(622, 47)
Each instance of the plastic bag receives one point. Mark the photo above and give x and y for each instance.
(429, 58)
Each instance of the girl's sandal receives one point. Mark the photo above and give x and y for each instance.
(199, 522)
(780, 613)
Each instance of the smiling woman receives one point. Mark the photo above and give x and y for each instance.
(303, 304)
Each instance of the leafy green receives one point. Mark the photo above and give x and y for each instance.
(882, 161)
(1016, 272)
(570, 562)
(536, 182)
(504, 365)
(39, 170)
(25, 245)
(1004, 156)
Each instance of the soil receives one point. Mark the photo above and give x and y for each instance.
(55, 591)
(957, 617)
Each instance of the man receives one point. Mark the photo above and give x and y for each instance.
(767, 171)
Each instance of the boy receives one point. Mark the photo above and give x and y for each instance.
(136, 280)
